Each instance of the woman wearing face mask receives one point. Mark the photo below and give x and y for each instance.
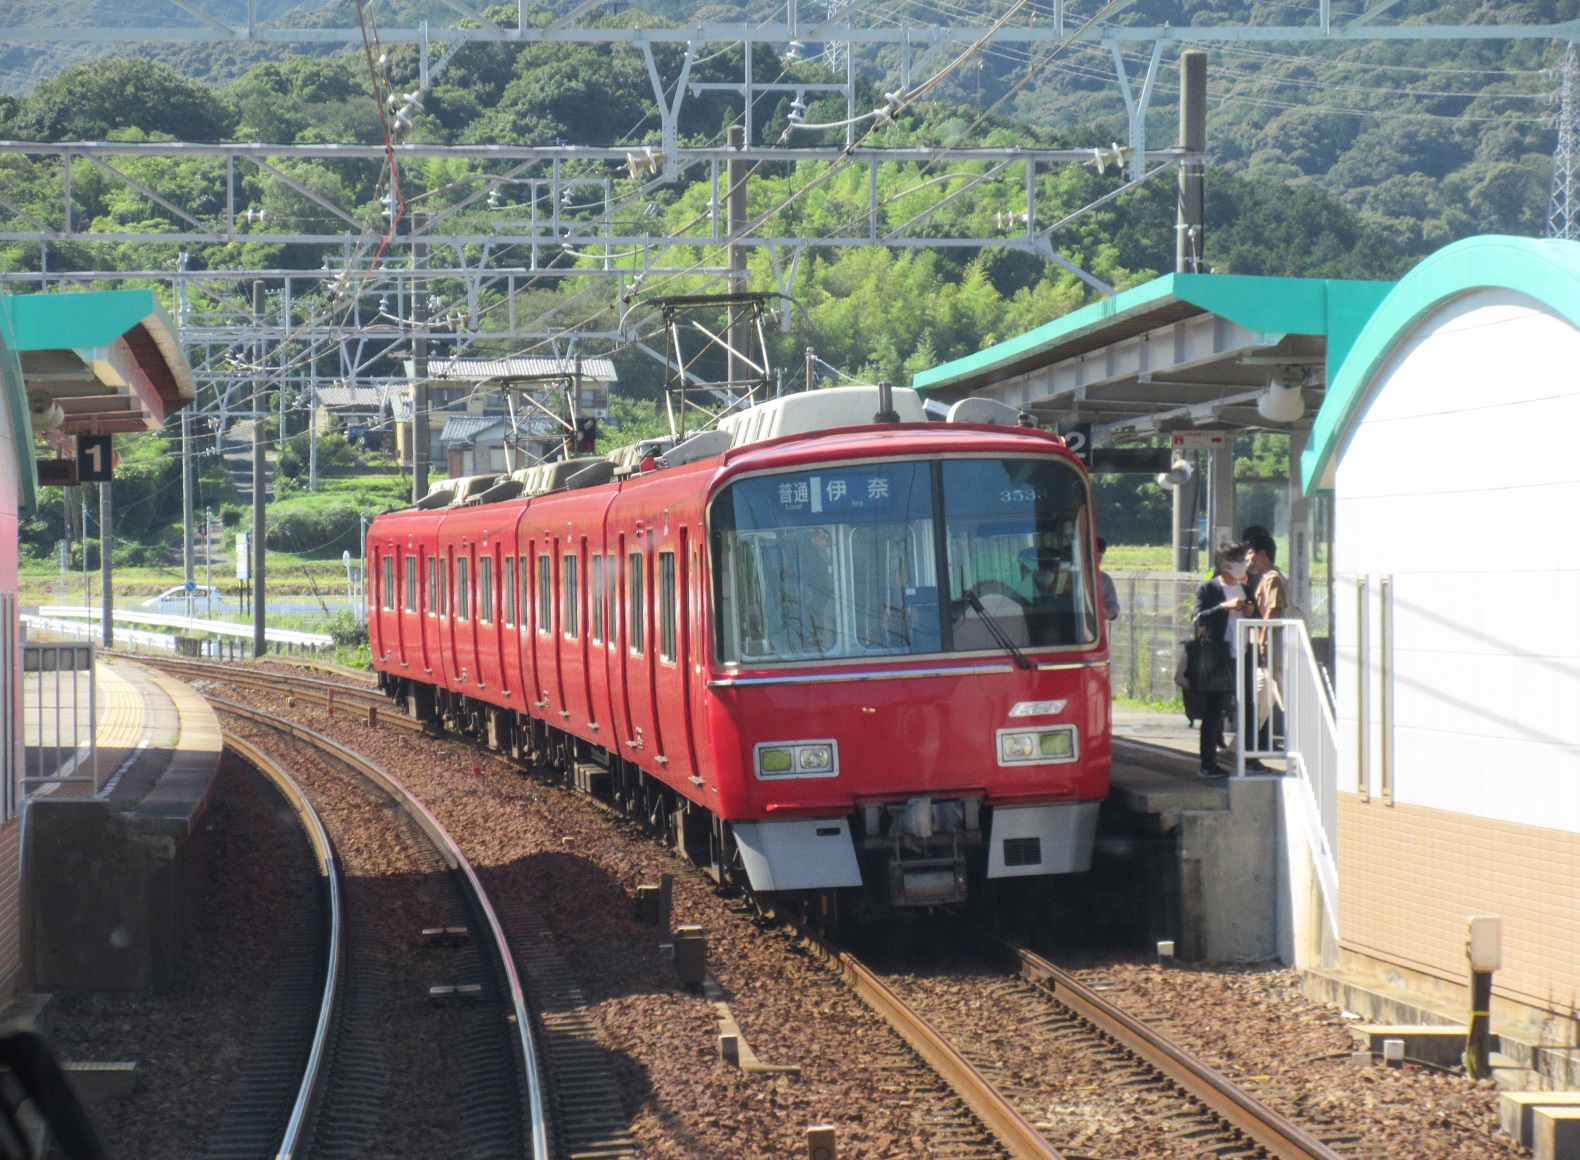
(1220, 604)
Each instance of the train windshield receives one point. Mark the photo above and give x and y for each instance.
(845, 562)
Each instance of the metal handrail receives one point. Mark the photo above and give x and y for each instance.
(1308, 741)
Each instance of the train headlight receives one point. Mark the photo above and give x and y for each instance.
(818, 758)
(1017, 746)
(814, 758)
(1060, 743)
(1038, 746)
(775, 760)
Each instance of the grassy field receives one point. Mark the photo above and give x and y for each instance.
(288, 576)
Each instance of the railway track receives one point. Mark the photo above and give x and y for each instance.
(586, 1117)
(476, 1021)
(1206, 1113)
(1200, 1111)
(333, 694)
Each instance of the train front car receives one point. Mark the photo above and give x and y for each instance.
(910, 670)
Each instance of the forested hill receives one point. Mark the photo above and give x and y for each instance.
(1427, 141)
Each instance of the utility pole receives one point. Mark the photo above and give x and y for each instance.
(1189, 233)
(1563, 214)
(260, 412)
(419, 368)
(106, 522)
(735, 222)
(312, 426)
(208, 563)
(1189, 230)
(186, 503)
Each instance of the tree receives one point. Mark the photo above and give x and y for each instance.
(96, 101)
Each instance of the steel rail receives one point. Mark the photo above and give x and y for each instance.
(1280, 1136)
(309, 688)
(324, 851)
(457, 861)
(1013, 1130)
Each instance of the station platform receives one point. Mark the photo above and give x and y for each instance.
(1154, 773)
(115, 849)
(1194, 862)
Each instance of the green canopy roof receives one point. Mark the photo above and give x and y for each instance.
(1316, 306)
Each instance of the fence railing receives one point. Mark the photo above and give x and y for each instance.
(60, 715)
(1285, 711)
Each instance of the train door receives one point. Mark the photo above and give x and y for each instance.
(531, 690)
(375, 603)
(430, 609)
(686, 617)
(444, 622)
(669, 673)
(509, 642)
(409, 627)
(591, 638)
(461, 621)
(620, 646)
(639, 652)
(487, 625)
(544, 623)
(573, 633)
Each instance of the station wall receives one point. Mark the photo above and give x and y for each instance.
(1457, 614)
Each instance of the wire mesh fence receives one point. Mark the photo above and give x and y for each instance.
(1144, 642)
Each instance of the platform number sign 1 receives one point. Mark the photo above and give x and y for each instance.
(1078, 438)
(95, 463)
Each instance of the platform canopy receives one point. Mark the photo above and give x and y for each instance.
(1184, 351)
(109, 358)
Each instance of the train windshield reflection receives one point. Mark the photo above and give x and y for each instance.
(844, 562)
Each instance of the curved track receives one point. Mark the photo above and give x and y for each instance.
(1237, 1114)
(257, 1123)
(533, 1135)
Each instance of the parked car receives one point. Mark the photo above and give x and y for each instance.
(175, 599)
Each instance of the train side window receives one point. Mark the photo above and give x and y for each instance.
(444, 589)
(485, 590)
(463, 606)
(572, 611)
(635, 612)
(507, 587)
(595, 597)
(411, 583)
(433, 585)
(389, 582)
(526, 592)
(666, 606)
(612, 578)
(545, 593)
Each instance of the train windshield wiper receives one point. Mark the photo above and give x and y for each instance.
(997, 633)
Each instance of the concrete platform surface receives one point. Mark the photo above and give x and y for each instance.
(113, 878)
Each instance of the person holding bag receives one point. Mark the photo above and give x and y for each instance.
(1220, 603)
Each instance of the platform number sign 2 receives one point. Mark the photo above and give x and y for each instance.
(1078, 438)
(94, 459)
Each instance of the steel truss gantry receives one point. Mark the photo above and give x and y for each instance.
(360, 310)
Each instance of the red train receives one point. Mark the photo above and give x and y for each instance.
(863, 663)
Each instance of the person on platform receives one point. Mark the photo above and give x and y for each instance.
(1273, 602)
(1220, 604)
(1110, 593)
(1253, 532)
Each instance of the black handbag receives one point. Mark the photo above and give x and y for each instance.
(1209, 665)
